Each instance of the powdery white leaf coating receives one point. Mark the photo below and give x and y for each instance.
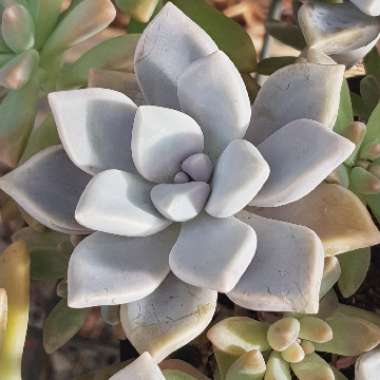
(169, 44)
(370, 7)
(169, 318)
(48, 187)
(198, 167)
(212, 91)
(367, 366)
(95, 128)
(110, 270)
(119, 203)
(298, 91)
(300, 156)
(293, 283)
(143, 368)
(162, 139)
(180, 202)
(239, 175)
(213, 253)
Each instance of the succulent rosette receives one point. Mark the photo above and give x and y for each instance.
(346, 32)
(164, 186)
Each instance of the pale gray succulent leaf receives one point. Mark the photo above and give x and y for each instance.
(370, 7)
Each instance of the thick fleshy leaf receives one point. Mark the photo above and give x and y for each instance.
(198, 166)
(95, 127)
(237, 335)
(287, 33)
(224, 362)
(221, 107)
(370, 7)
(337, 216)
(180, 202)
(16, 73)
(277, 368)
(373, 129)
(3, 314)
(300, 156)
(119, 203)
(17, 28)
(48, 187)
(143, 368)
(250, 366)
(174, 367)
(363, 336)
(299, 91)
(112, 54)
(162, 139)
(15, 279)
(17, 112)
(367, 366)
(268, 66)
(355, 267)
(283, 333)
(196, 259)
(313, 367)
(49, 252)
(169, 318)
(345, 114)
(86, 19)
(331, 274)
(61, 325)
(182, 42)
(111, 270)
(40, 138)
(126, 83)
(140, 10)
(337, 28)
(110, 314)
(239, 175)
(315, 330)
(372, 63)
(352, 311)
(293, 354)
(272, 270)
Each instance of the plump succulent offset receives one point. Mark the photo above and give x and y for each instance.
(346, 32)
(130, 173)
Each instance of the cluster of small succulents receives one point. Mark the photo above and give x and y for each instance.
(167, 186)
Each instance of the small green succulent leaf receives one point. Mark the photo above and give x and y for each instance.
(286, 33)
(345, 113)
(49, 251)
(328, 305)
(277, 368)
(46, 14)
(140, 10)
(17, 28)
(283, 333)
(17, 72)
(237, 335)
(373, 128)
(227, 34)
(331, 274)
(113, 54)
(315, 330)
(250, 366)
(363, 336)
(372, 63)
(358, 106)
(364, 182)
(61, 325)
(85, 20)
(17, 113)
(374, 204)
(224, 361)
(338, 375)
(269, 65)
(175, 374)
(354, 265)
(294, 353)
(313, 367)
(42, 137)
(352, 311)
(251, 85)
(370, 92)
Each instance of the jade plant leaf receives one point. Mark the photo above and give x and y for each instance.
(372, 63)
(112, 54)
(354, 267)
(373, 129)
(286, 33)
(237, 335)
(268, 66)
(337, 216)
(61, 325)
(49, 251)
(14, 269)
(370, 92)
(228, 35)
(313, 367)
(345, 114)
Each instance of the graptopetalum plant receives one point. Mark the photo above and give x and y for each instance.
(180, 184)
